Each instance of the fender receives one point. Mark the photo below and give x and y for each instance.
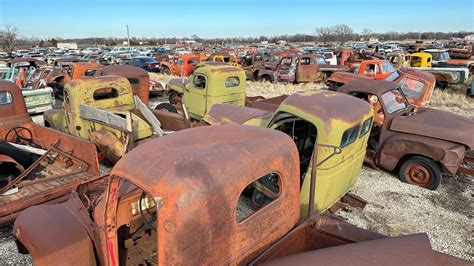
(108, 144)
(177, 84)
(53, 236)
(56, 119)
(449, 155)
(263, 72)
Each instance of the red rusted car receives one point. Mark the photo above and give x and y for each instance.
(416, 85)
(419, 143)
(186, 203)
(37, 164)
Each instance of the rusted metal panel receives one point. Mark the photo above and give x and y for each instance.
(437, 124)
(14, 112)
(58, 234)
(232, 114)
(210, 205)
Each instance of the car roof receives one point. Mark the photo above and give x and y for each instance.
(208, 158)
(377, 87)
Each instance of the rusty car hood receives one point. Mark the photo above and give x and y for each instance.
(437, 124)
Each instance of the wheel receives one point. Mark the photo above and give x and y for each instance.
(166, 106)
(420, 171)
(266, 78)
(173, 97)
(166, 71)
(441, 84)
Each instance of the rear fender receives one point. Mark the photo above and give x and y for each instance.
(53, 236)
(108, 144)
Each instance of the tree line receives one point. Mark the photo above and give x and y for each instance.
(10, 40)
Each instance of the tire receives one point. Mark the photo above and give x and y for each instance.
(441, 84)
(172, 97)
(265, 78)
(166, 106)
(420, 171)
(166, 71)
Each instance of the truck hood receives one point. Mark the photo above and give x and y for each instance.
(437, 124)
(459, 62)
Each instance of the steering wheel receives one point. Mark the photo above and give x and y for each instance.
(18, 136)
(149, 222)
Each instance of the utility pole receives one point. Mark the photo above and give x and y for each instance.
(128, 36)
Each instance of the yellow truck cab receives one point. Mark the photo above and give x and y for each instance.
(337, 137)
(420, 60)
(98, 109)
(211, 82)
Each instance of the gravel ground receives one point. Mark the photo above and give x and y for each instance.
(393, 208)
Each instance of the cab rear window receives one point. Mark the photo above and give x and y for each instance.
(232, 82)
(105, 93)
(5, 97)
(349, 136)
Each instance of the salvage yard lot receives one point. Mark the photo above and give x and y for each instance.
(394, 208)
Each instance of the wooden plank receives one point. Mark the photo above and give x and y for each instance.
(95, 114)
(149, 116)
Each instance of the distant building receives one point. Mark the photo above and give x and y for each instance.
(373, 39)
(67, 45)
(469, 37)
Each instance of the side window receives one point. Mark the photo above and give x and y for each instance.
(5, 97)
(89, 72)
(387, 67)
(199, 81)
(232, 82)
(286, 61)
(258, 195)
(349, 136)
(105, 93)
(305, 61)
(327, 56)
(134, 81)
(180, 61)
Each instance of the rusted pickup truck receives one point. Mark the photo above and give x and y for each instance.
(376, 69)
(300, 68)
(416, 85)
(419, 143)
(37, 165)
(104, 111)
(181, 65)
(148, 211)
(211, 82)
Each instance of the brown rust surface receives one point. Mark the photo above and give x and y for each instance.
(15, 112)
(328, 105)
(199, 179)
(437, 124)
(232, 114)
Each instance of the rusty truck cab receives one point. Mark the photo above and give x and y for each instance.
(185, 204)
(139, 79)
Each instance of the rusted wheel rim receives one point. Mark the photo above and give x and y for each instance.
(418, 174)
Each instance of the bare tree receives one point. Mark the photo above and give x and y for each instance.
(343, 32)
(325, 34)
(366, 33)
(8, 38)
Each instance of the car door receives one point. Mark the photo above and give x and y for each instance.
(195, 96)
(306, 69)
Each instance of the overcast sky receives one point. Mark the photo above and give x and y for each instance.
(233, 18)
